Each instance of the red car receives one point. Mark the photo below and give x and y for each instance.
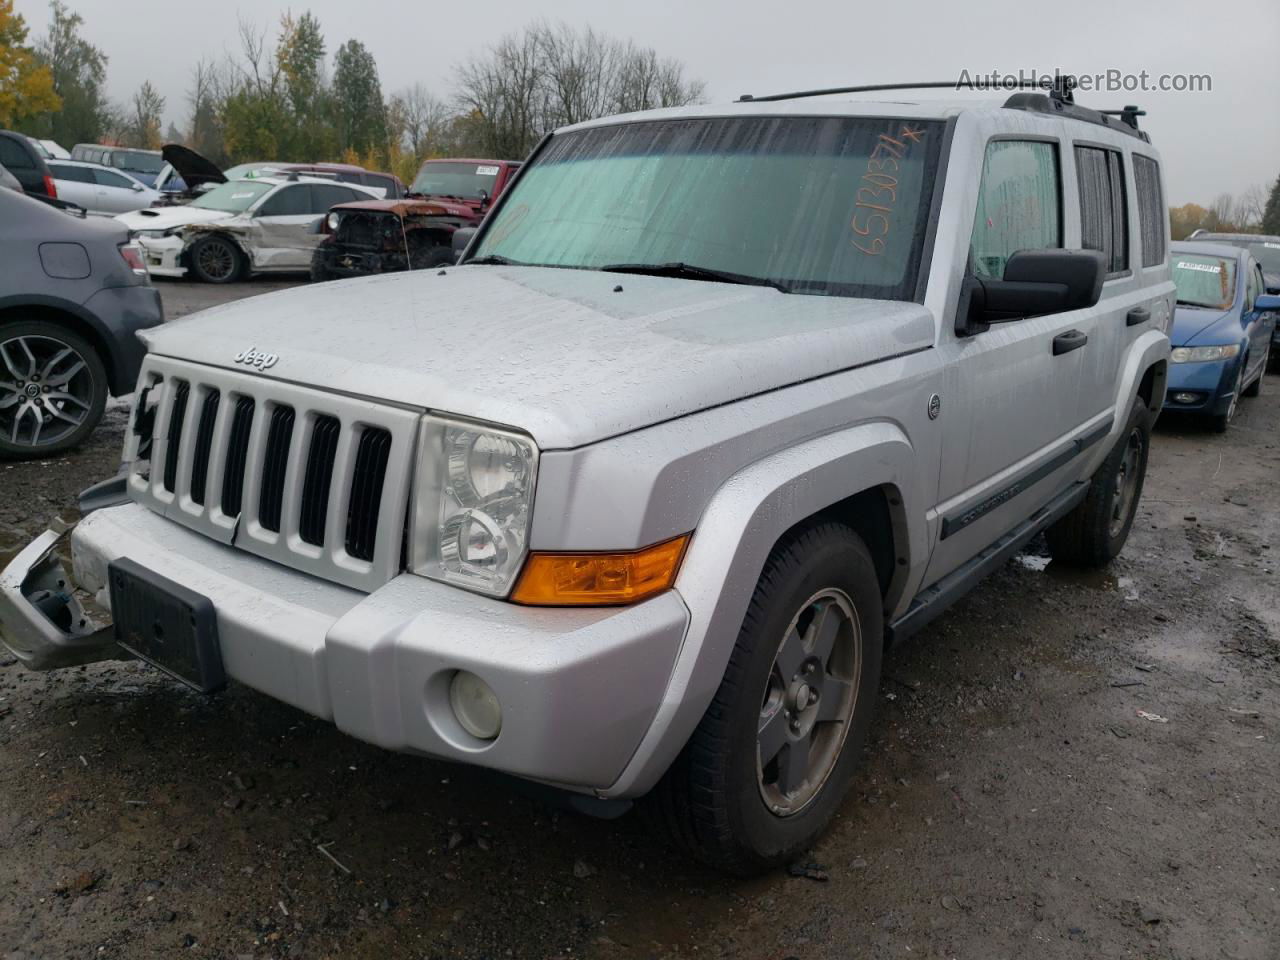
(384, 236)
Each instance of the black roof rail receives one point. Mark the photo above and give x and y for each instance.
(1052, 106)
(1060, 89)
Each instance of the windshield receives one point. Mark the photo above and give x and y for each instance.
(834, 206)
(452, 179)
(1204, 281)
(137, 161)
(234, 197)
(1267, 253)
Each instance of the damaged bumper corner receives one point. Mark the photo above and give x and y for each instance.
(42, 621)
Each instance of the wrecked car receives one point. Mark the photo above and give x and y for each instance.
(388, 236)
(240, 227)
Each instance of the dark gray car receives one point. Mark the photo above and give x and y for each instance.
(73, 293)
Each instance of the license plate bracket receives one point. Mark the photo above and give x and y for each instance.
(169, 626)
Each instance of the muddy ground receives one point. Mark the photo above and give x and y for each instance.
(1014, 802)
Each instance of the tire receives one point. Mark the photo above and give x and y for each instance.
(716, 801)
(216, 259)
(319, 273)
(1255, 389)
(1094, 533)
(43, 417)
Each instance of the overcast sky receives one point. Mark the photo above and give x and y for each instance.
(1216, 142)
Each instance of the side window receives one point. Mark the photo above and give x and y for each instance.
(1103, 215)
(1252, 289)
(1019, 204)
(287, 202)
(109, 179)
(324, 196)
(1153, 216)
(14, 156)
(68, 172)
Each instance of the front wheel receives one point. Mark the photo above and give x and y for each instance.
(769, 763)
(216, 259)
(53, 388)
(1220, 422)
(1094, 533)
(319, 272)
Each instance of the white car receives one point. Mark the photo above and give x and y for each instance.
(243, 226)
(100, 190)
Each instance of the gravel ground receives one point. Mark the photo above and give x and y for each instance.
(1014, 801)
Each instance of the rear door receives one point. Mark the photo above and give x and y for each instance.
(75, 185)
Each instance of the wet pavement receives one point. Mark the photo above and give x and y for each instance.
(1064, 765)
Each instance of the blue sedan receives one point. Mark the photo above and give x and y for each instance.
(1222, 330)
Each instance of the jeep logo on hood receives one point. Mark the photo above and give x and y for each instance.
(254, 358)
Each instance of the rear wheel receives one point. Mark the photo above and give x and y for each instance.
(770, 761)
(53, 387)
(1094, 533)
(216, 259)
(1255, 389)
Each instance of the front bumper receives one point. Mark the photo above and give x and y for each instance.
(1211, 384)
(162, 255)
(578, 688)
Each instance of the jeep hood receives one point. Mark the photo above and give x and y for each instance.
(561, 354)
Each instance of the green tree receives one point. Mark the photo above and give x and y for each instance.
(79, 71)
(1271, 215)
(358, 111)
(26, 84)
(300, 54)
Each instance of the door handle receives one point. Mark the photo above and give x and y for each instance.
(1136, 316)
(1071, 340)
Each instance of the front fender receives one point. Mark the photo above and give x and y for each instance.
(737, 531)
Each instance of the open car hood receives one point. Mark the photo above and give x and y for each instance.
(571, 356)
(194, 169)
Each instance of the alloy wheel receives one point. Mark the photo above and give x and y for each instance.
(808, 702)
(217, 259)
(46, 390)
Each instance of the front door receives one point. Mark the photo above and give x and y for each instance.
(1011, 398)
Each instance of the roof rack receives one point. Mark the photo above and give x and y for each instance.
(1060, 89)
(1058, 100)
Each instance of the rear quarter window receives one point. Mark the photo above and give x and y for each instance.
(1104, 223)
(14, 155)
(1153, 216)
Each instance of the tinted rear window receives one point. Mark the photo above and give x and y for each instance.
(14, 155)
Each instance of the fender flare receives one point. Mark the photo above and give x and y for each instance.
(1149, 349)
(94, 330)
(737, 531)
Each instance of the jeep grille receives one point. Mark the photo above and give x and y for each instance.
(314, 480)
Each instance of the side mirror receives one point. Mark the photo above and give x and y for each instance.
(1267, 303)
(1035, 282)
(137, 188)
(461, 239)
(484, 200)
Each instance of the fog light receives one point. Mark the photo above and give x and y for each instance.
(475, 705)
(1185, 398)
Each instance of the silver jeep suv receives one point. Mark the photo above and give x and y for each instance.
(719, 400)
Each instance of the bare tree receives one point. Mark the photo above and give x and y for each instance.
(422, 117)
(1253, 204)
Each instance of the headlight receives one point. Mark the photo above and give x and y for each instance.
(475, 497)
(1204, 354)
(150, 234)
(332, 221)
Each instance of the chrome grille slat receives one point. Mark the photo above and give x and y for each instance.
(313, 480)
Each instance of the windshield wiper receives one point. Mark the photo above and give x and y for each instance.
(690, 272)
(497, 261)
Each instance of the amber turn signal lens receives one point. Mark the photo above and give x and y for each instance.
(598, 579)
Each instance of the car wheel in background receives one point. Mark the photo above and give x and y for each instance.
(1221, 421)
(773, 755)
(216, 259)
(1094, 532)
(319, 273)
(53, 387)
(1255, 389)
